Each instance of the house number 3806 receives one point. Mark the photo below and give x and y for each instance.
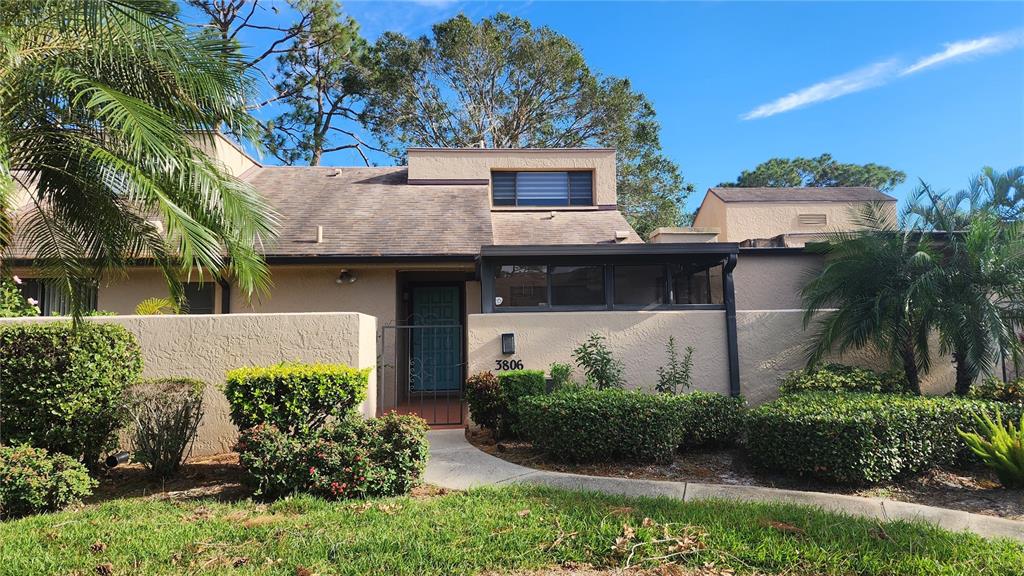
(508, 364)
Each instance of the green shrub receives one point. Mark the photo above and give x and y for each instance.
(64, 389)
(993, 388)
(492, 398)
(347, 458)
(295, 398)
(34, 481)
(588, 425)
(601, 369)
(516, 385)
(165, 415)
(859, 438)
(1000, 447)
(483, 395)
(707, 419)
(843, 378)
(675, 377)
(561, 375)
(12, 302)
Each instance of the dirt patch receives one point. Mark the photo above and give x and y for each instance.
(666, 570)
(976, 490)
(217, 477)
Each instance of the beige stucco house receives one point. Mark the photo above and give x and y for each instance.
(477, 259)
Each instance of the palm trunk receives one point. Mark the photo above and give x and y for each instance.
(909, 357)
(963, 377)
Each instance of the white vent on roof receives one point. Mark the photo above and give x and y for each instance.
(812, 219)
(621, 235)
(319, 234)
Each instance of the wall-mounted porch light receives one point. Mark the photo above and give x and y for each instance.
(346, 276)
(508, 343)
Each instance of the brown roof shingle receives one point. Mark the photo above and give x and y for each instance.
(802, 194)
(565, 227)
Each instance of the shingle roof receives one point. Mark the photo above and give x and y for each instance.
(803, 194)
(371, 212)
(566, 227)
(375, 212)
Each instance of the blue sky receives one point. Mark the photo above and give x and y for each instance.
(933, 89)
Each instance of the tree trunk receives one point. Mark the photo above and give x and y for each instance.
(909, 357)
(963, 379)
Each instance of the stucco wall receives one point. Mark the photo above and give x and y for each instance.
(747, 220)
(712, 215)
(207, 346)
(638, 338)
(476, 164)
(769, 281)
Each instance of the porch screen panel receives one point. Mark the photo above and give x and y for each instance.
(542, 188)
(640, 285)
(577, 285)
(517, 286)
(200, 297)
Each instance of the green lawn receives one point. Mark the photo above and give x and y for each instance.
(463, 533)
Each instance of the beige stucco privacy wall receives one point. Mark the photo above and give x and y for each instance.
(476, 164)
(637, 338)
(207, 346)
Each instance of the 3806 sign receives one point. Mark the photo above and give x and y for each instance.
(508, 364)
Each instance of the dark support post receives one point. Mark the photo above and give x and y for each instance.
(225, 296)
(729, 291)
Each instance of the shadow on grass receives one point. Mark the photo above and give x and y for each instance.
(216, 477)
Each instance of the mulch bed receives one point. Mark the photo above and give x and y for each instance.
(975, 490)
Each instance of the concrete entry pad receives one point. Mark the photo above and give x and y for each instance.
(456, 464)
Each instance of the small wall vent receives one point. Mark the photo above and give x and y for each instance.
(812, 219)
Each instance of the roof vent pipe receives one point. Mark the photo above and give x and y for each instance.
(319, 234)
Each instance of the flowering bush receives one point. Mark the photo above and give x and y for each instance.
(350, 458)
(12, 302)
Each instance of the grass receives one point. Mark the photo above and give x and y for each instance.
(486, 529)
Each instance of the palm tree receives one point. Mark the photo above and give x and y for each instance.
(979, 304)
(876, 287)
(1004, 192)
(105, 106)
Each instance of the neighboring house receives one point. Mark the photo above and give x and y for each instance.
(475, 259)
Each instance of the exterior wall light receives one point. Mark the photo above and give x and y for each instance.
(346, 276)
(508, 343)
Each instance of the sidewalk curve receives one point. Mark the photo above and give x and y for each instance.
(456, 464)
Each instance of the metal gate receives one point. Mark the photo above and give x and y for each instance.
(422, 372)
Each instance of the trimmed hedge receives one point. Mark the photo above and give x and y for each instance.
(587, 425)
(844, 378)
(64, 388)
(993, 388)
(491, 398)
(33, 481)
(861, 438)
(349, 458)
(295, 398)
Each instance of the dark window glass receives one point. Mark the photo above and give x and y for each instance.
(48, 296)
(542, 188)
(640, 285)
(199, 298)
(693, 284)
(518, 286)
(503, 186)
(577, 285)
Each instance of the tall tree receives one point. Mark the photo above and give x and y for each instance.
(101, 102)
(880, 280)
(818, 172)
(320, 78)
(503, 83)
(979, 297)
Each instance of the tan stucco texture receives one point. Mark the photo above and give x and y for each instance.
(637, 338)
(477, 164)
(206, 347)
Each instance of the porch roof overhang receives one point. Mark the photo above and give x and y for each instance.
(612, 253)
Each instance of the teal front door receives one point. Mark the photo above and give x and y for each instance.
(435, 357)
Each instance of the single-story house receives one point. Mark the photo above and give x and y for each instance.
(476, 259)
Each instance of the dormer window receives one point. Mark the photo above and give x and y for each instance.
(575, 188)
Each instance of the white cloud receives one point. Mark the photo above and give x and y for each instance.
(965, 48)
(881, 73)
(862, 79)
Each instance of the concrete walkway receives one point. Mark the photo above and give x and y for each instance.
(456, 464)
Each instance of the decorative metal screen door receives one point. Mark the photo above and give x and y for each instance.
(435, 357)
